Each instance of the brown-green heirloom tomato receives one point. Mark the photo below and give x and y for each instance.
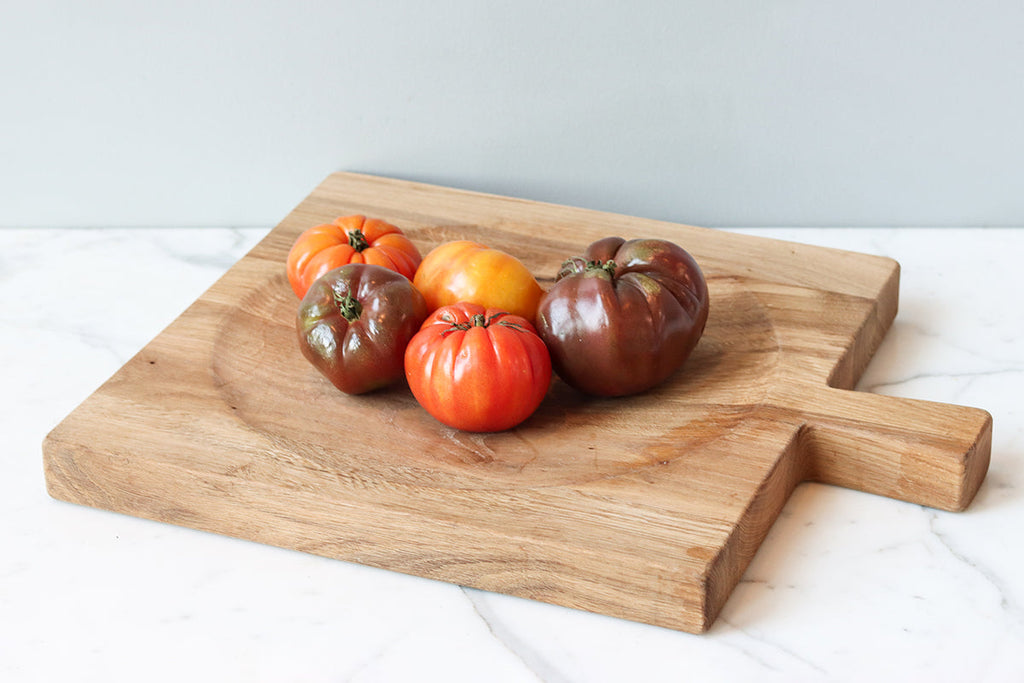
(624, 316)
(355, 322)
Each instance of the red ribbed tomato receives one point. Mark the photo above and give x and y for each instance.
(349, 239)
(477, 369)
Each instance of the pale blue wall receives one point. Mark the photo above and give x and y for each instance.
(797, 112)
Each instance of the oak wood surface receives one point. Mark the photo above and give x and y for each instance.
(647, 507)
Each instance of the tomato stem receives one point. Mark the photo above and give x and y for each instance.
(480, 320)
(348, 306)
(608, 266)
(357, 240)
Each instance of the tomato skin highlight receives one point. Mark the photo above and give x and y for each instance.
(477, 369)
(349, 239)
(624, 316)
(463, 270)
(354, 323)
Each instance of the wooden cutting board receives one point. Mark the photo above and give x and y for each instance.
(647, 508)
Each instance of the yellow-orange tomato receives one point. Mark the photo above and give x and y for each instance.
(349, 239)
(467, 271)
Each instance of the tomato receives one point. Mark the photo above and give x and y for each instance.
(349, 239)
(477, 369)
(467, 271)
(354, 323)
(625, 316)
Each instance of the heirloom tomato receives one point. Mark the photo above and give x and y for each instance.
(349, 239)
(477, 369)
(467, 271)
(624, 316)
(354, 323)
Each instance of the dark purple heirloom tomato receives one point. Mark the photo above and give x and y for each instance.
(355, 322)
(624, 316)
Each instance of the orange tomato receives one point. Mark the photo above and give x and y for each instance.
(467, 271)
(349, 239)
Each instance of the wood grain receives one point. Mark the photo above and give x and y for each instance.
(646, 508)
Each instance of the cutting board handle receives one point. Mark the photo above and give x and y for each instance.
(932, 454)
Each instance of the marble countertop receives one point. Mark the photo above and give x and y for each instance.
(847, 586)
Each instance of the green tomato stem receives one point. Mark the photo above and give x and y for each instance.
(357, 240)
(608, 266)
(480, 320)
(348, 306)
